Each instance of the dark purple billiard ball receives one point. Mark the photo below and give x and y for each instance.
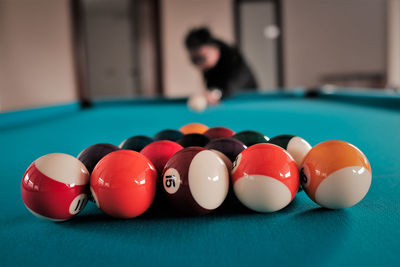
(94, 153)
(228, 146)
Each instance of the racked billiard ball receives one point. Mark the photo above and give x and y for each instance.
(296, 146)
(265, 178)
(194, 127)
(94, 153)
(123, 184)
(55, 187)
(136, 143)
(250, 138)
(168, 134)
(335, 174)
(159, 152)
(196, 180)
(228, 146)
(193, 139)
(219, 132)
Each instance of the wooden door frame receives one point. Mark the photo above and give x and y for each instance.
(80, 49)
(278, 22)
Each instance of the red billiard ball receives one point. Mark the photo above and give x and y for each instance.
(55, 187)
(219, 132)
(196, 180)
(123, 184)
(265, 178)
(159, 152)
(336, 174)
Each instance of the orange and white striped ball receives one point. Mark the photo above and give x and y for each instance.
(335, 174)
(55, 187)
(265, 177)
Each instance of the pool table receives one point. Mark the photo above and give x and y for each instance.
(302, 234)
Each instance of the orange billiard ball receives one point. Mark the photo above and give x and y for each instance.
(335, 174)
(194, 127)
(123, 184)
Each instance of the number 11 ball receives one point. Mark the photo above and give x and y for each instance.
(335, 174)
(265, 178)
(55, 187)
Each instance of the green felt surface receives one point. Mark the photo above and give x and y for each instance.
(300, 235)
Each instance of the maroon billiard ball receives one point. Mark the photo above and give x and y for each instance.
(55, 187)
(219, 132)
(195, 180)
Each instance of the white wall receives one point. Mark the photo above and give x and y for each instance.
(36, 59)
(393, 55)
(178, 17)
(325, 36)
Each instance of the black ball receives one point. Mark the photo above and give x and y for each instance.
(136, 143)
(193, 139)
(168, 134)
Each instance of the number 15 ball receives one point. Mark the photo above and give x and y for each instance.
(196, 180)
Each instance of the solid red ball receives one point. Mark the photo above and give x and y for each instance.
(159, 152)
(219, 132)
(123, 184)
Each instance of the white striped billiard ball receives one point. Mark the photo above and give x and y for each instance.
(295, 145)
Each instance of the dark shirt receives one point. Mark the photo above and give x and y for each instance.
(231, 73)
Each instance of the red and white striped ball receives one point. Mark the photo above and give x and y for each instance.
(265, 178)
(55, 187)
(196, 180)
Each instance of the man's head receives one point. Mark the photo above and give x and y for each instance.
(203, 51)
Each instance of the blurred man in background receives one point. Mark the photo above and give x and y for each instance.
(224, 69)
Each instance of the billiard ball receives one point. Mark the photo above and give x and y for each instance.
(197, 103)
(123, 184)
(168, 134)
(265, 178)
(296, 146)
(55, 187)
(219, 132)
(193, 139)
(250, 138)
(196, 181)
(94, 153)
(159, 152)
(228, 146)
(335, 174)
(193, 128)
(136, 143)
